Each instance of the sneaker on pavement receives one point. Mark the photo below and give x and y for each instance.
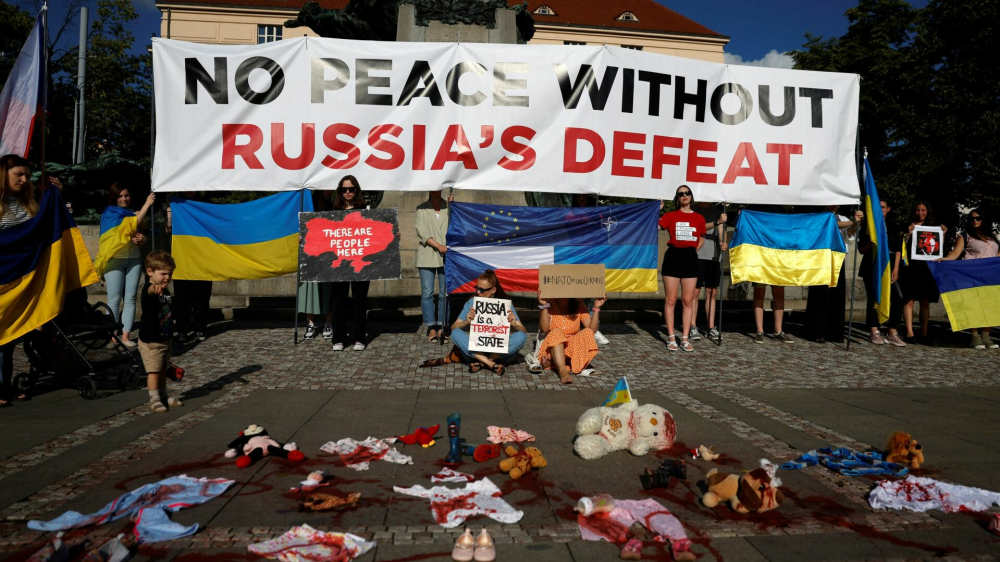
(200, 336)
(311, 330)
(600, 339)
(328, 332)
(358, 346)
(129, 343)
(338, 347)
(977, 342)
(782, 337)
(895, 340)
(694, 334)
(876, 338)
(759, 338)
(990, 344)
(713, 334)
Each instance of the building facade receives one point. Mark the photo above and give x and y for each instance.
(635, 24)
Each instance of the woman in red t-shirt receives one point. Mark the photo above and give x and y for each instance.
(680, 263)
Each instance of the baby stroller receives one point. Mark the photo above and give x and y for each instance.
(78, 347)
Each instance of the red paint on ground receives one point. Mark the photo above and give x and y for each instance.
(362, 454)
(602, 525)
(178, 469)
(443, 509)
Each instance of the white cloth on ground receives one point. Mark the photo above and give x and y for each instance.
(305, 544)
(922, 494)
(449, 475)
(451, 507)
(359, 454)
(648, 513)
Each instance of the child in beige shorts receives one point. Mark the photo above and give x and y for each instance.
(155, 328)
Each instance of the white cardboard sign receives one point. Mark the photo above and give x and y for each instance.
(490, 329)
(927, 243)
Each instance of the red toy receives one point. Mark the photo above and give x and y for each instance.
(423, 435)
(254, 444)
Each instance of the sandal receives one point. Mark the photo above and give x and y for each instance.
(434, 363)
(672, 343)
(433, 336)
(499, 369)
(475, 366)
(685, 344)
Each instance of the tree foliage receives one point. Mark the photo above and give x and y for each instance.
(930, 99)
(16, 25)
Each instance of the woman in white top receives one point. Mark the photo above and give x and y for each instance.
(977, 242)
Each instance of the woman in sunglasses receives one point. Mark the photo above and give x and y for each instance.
(487, 286)
(680, 263)
(977, 242)
(349, 197)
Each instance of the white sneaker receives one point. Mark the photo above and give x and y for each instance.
(328, 332)
(358, 346)
(587, 372)
(694, 334)
(338, 347)
(600, 339)
(713, 333)
(129, 344)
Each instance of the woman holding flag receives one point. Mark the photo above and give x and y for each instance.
(977, 242)
(119, 260)
(680, 263)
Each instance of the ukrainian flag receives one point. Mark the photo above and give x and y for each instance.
(42, 260)
(787, 250)
(619, 394)
(241, 241)
(882, 274)
(970, 290)
(118, 226)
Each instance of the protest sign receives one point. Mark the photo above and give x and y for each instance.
(544, 118)
(490, 329)
(927, 243)
(360, 245)
(576, 281)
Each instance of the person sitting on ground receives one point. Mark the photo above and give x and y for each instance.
(567, 347)
(584, 200)
(977, 242)
(487, 286)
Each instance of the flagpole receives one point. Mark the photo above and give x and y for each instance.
(298, 276)
(722, 240)
(45, 82)
(854, 276)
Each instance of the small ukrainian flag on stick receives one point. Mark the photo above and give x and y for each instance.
(619, 394)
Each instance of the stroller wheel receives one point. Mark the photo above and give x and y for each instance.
(23, 382)
(128, 379)
(86, 387)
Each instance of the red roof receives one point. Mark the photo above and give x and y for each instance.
(590, 13)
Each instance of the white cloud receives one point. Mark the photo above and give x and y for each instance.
(773, 59)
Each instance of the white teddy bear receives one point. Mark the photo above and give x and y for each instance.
(629, 426)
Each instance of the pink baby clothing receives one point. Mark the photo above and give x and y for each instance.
(508, 435)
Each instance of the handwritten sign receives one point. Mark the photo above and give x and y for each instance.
(927, 243)
(576, 281)
(490, 329)
(360, 245)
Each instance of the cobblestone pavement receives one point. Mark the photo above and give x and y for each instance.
(240, 359)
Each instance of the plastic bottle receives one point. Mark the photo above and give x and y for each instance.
(601, 503)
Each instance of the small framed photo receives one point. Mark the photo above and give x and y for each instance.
(927, 243)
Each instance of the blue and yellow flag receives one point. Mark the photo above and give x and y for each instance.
(787, 250)
(42, 260)
(251, 240)
(881, 270)
(970, 290)
(619, 394)
(118, 226)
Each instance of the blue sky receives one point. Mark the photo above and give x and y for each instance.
(759, 30)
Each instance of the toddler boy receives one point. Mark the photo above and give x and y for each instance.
(155, 328)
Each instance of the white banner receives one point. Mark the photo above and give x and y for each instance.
(574, 119)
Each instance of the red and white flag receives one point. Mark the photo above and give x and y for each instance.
(22, 95)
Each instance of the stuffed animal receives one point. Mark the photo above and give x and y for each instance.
(904, 450)
(254, 444)
(629, 426)
(752, 492)
(521, 462)
(423, 435)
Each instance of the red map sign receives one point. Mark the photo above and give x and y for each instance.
(353, 243)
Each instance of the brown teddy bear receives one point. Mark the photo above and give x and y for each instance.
(904, 450)
(751, 492)
(521, 462)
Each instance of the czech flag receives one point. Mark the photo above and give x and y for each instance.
(787, 250)
(251, 240)
(23, 95)
(43, 259)
(881, 272)
(970, 290)
(514, 241)
(619, 394)
(118, 226)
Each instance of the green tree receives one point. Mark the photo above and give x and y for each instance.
(16, 25)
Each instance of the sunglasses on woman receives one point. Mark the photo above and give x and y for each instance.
(348, 189)
(482, 290)
(684, 194)
(976, 218)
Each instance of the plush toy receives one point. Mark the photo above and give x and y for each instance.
(254, 444)
(423, 435)
(629, 426)
(904, 450)
(752, 492)
(521, 462)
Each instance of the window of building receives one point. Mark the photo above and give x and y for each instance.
(544, 10)
(268, 33)
(574, 43)
(633, 47)
(627, 16)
